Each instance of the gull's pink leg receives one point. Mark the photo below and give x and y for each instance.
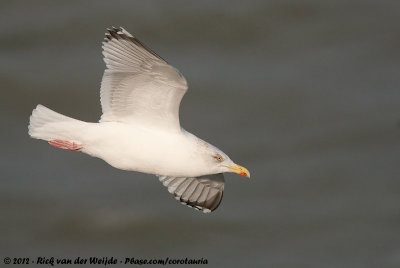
(66, 145)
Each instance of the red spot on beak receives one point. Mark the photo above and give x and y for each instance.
(243, 174)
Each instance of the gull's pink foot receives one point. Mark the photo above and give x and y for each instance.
(66, 145)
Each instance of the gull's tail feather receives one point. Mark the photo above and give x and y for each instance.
(46, 124)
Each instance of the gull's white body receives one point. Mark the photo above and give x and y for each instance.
(139, 129)
(132, 147)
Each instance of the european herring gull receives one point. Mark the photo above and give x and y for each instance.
(139, 129)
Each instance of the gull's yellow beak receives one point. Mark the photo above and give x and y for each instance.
(240, 170)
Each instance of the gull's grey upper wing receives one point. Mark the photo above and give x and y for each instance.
(138, 86)
(202, 193)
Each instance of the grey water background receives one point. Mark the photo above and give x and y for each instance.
(305, 94)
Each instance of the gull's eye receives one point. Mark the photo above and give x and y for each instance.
(219, 158)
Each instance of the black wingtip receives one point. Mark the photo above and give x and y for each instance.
(113, 32)
(119, 33)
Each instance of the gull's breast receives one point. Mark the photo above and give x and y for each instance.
(146, 150)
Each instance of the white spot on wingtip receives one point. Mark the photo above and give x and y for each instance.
(125, 32)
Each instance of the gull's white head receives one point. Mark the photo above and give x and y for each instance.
(224, 164)
(217, 161)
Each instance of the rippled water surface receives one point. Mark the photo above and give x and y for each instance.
(304, 94)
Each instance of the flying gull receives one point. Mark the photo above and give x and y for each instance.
(139, 129)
